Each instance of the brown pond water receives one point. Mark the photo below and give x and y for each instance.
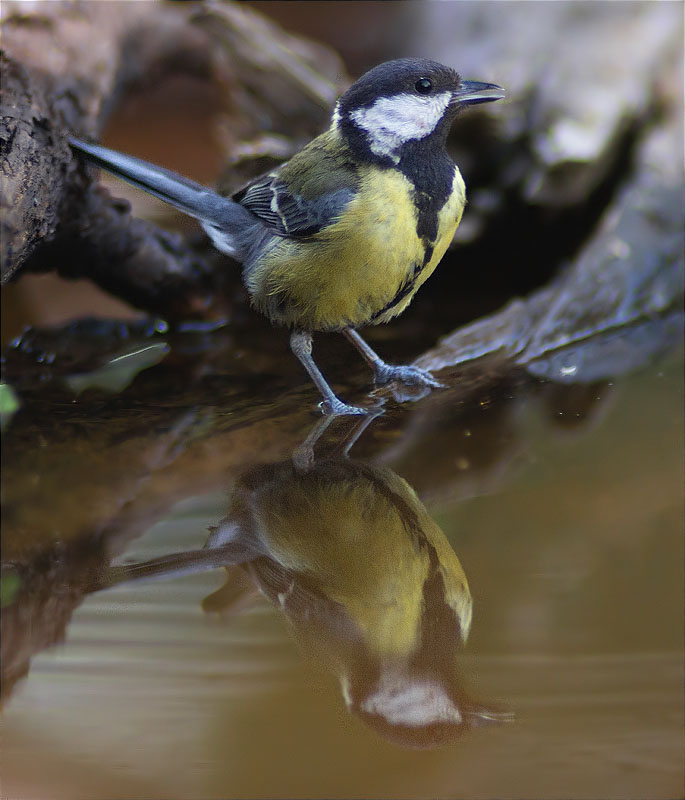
(345, 676)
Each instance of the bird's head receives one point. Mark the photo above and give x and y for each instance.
(403, 101)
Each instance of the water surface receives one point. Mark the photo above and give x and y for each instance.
(260, 675)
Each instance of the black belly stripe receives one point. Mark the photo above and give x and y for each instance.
(404, 290)
(431, 172)
(407, 287)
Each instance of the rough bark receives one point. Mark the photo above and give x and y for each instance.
(64, 68)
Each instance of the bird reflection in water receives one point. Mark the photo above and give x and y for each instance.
(366, 578)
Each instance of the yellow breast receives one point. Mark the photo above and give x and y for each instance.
(351, 273)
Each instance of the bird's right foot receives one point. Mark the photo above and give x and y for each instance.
(411, 376)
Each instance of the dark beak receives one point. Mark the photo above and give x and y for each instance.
(470, 93)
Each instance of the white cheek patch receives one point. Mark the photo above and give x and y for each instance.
(392, 121)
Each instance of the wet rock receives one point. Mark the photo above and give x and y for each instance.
(579, 77)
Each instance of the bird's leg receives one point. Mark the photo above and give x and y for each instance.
(301, 345)
(384, 373)
(303, 456)
(355, 434)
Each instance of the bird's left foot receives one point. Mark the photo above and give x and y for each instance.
(335, 407)
(412, 376)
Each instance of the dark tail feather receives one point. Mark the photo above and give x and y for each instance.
(217, 213)
(174, 565)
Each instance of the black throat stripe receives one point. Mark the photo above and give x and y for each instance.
(424, 162)
(427, 166)
(431, 172)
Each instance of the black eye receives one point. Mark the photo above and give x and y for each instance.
(423, 85)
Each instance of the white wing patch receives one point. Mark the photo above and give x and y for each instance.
(391, 121)
(276, 210)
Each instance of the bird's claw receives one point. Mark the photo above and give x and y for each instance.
(337, 407)
(413, 376)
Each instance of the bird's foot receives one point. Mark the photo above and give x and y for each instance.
(412, 376)
(337, 407)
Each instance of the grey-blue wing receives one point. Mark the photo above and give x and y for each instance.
(287, 212)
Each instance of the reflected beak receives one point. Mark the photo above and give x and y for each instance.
(470, 93)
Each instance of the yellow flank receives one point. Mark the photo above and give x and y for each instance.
(356, 552)
(354, 268)
(449, 218)
(351, 542)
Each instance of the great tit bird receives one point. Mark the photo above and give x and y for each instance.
(345, 233)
